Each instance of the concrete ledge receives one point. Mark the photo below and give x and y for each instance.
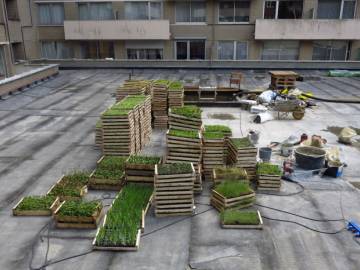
(203, 64)
(19, 81)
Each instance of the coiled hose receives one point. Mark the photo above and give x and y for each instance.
(356, 101)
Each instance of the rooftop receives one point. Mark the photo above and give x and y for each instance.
(48, 130)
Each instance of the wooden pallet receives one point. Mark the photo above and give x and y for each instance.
(221, 203)
(49, 212)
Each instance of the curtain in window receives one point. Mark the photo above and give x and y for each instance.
(329, 9)
(226, 11)
(198, 11)
(280, 50)
(241, 50)
(348, 10)
(329, 50)
(182, 11)
(197, 49)
(155, 10)
(136, 11)
(226, 50)
(48, 50)
(44, 14)
(95, 11)
(57, 14)
(242, 11)
(83, 11)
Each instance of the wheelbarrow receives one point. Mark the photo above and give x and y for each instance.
(286, 107)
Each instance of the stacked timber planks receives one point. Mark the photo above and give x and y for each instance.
(133, 87)
(160, 103)
(145, 121)
(186, 146)
(187, 117)
(98, 133)
(173, 186)
(176, 94)
(243, 154)
(268, 177)
(283, 79)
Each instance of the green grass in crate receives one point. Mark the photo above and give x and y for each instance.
(190, 111)
(76, 178)
(176, 86)
(162, 82)
(99, 124)
(213, 135)
(238, 217)
(36, 203)
(175, 168)
(116, 112)
(192, 134)
(242, 142)
(123, 218)
(110, 167)
(137, 159)
(129, 102)
(231, 189)
(218, 128)
(62, 190)
(78, 208)
(268, 168)
(231, 173)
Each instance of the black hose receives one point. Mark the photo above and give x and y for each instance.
(357, 101)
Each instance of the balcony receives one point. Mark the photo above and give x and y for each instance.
(117, 30)
(300, 29)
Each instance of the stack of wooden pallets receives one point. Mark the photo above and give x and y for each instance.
(145, 121)
(186, 146)
(173, 190)
(131, 88)
(140, 172)
(268, 180)
(243, 154)
(213, 154)
(176, 95)
(98, 133)
(179, 119)
(283, 79)
(160, 103)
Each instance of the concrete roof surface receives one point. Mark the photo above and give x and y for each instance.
(48, 130)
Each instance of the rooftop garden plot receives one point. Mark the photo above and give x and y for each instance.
(242, 142)
(70, 186)
(233, 189)
(36, 205)
(176, 86)
(175, 168)
(267, 169)
(110, 167)
(122, 223)
(218, 129)
(238, 217)
(137, 159)
(192, 134)
(189, 111)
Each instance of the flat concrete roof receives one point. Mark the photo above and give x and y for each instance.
(48, 130)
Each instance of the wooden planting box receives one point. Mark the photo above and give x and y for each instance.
(140, 172)
(78, 222)
(244, 226)
(49, 212)
(182, 122)
(221, 203)
(218, 177)
(117, 248)
(268, 182)
(174, 193)
(82, 191)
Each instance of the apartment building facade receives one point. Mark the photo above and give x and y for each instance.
(225, 30)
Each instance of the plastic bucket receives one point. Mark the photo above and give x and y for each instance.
(265, 154)
(310, 158)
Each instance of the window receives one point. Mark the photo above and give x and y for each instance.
(56, 50)
(96, 11)
(336, 9)
(2, 62)
(190, 49)
(234, 11)
(149, 54)
(232, 50)
(97, 49)
(330, 50)
(51, 14)
(283, 9)
(143, 10)
(12, 10)
(17, 51)
(280, 50)
(190, 12)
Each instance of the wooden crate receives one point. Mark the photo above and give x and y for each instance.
(49, 212)
(221, 203)
(183, 122)
(213, 155)
(82, 191)
(268, 182)
(238, 226)
(218, 178)
(140, 172)
(76, 222)
(123, 248)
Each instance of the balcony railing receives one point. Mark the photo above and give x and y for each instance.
(117, 30)
(307, 29)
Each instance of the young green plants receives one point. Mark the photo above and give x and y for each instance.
(189, 111)
(267, 169)
(241, 219)
(225, 130)
(70, 186)
(241, 142)
(141, 168)
(121, 229)
(229, 173)
(175, 168)
(36, 206)
(138, 159)
(176, 86)
(232, 194)
(268, 176)
(191, 134)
